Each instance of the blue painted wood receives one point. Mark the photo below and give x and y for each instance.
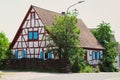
(97, 55)
(35, 35)
(23, 54)
(41, 54)
(16, 55)
(30, 35)
(93, 55)
(49, 55)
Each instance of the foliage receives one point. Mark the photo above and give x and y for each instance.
(88, 69)
(96, 69)
(65, 35)
(77, 59)
(1, 64)
(105, 36)
(4, 45)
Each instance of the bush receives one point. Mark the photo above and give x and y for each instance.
(1, 64)
(4, 45)
(75, 67)
(88, 69)
(77, 61)
(109, 68)
(96, 69)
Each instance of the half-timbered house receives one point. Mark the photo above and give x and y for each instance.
(31, 39)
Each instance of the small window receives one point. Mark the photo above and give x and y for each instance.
(33, 35)
(32, 15)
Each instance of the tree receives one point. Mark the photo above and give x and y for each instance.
(65, 34)
(4, 46)
(104, 35)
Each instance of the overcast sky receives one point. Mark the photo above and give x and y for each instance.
(92, 12)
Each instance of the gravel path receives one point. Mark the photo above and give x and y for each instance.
(14, 75)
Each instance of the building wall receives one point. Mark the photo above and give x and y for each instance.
(117, 61)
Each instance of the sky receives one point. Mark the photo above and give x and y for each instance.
(92, 12)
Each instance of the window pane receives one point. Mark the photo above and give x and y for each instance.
(35, 35)
(30, 35)
(32, 15)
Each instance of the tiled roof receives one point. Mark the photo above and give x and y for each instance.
(87, 40)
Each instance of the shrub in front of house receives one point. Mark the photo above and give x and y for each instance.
(88, 69)
(1, 64)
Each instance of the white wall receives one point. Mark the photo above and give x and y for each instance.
(117, 62)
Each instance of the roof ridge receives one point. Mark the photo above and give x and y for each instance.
(45, 9)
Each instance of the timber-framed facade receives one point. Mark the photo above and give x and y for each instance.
(32, 40)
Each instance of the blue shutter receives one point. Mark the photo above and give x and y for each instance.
(30, 35)
(23, 54)
(16, 55)
(97, 57)
(35, 35)
(41, 55)
(49, 55)
(93, 55)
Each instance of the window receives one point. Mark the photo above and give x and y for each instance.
(32, 15)
(32, 19)
(33, 35)
(96, 55)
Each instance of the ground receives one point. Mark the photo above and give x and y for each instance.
(16, 75)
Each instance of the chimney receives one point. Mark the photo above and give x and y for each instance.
(63, 13)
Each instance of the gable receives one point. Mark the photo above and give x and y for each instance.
(31, 36)
(27, 25)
